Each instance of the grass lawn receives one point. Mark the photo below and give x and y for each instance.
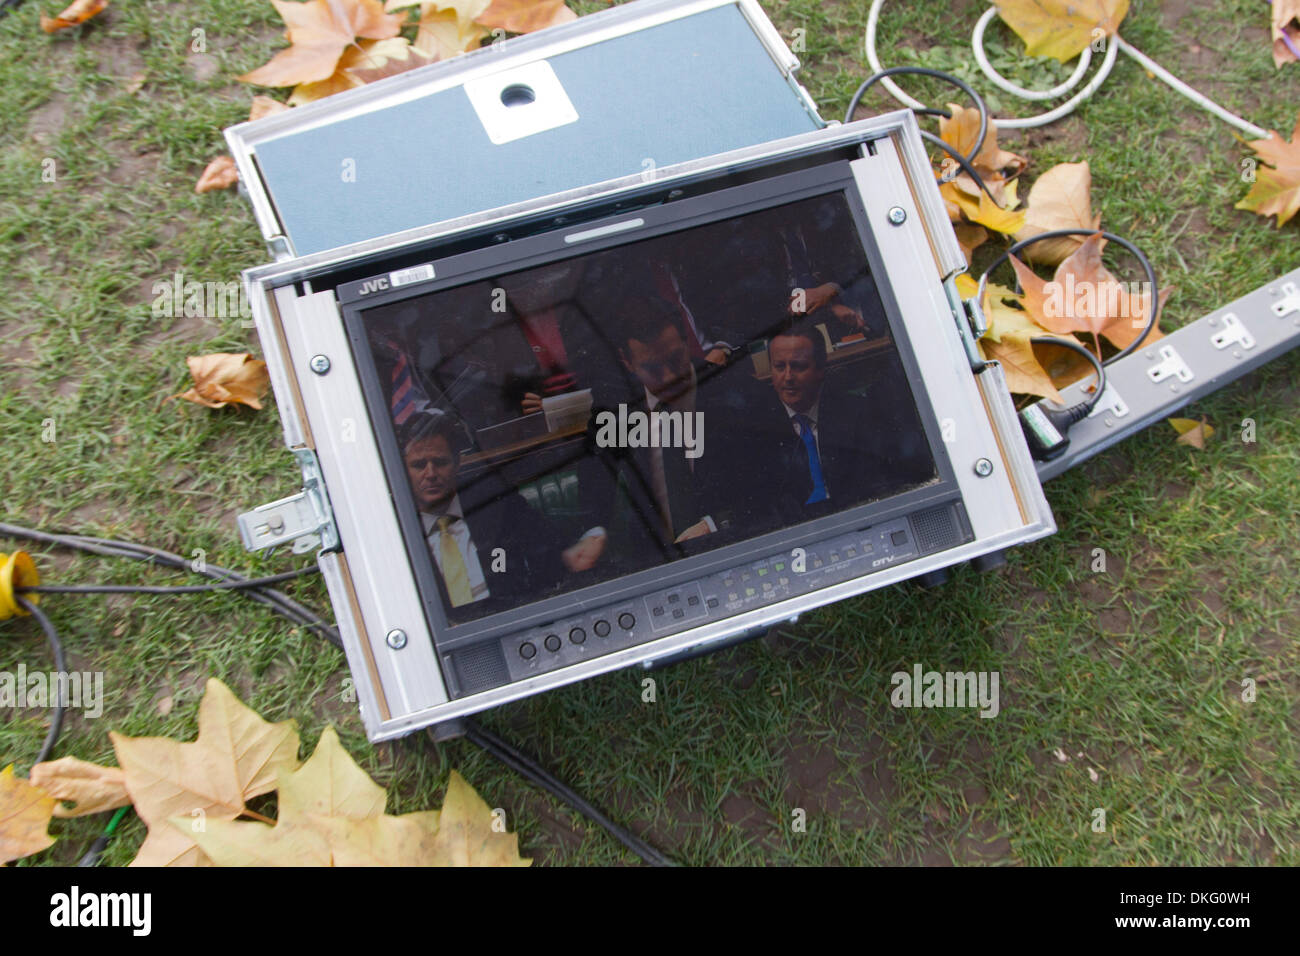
(1133, 676)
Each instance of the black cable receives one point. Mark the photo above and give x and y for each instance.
(60, 666)
(1110, 237)
(526, 767)
(966, 162)
(1077, 346)
(177, 589)
(279, 602)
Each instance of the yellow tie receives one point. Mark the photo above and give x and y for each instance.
(454, 572)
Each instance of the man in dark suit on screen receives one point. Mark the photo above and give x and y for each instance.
(484, 539)
(825, 450)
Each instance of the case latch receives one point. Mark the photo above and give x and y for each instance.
(305, 519)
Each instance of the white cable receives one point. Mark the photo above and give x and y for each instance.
(1196, 97)
(1051, 116)
(1000, 81)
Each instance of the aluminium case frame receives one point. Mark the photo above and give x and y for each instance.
(380, 616)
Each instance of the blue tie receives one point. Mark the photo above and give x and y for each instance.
(814, 462)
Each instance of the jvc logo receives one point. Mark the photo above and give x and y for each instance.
(374, 285)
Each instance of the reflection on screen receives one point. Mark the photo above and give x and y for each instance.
(619, 410)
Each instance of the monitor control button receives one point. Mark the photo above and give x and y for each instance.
(577, 635)
(527, 650)
(899, 538)
(626, 621)
(601, 628)
(552, 642)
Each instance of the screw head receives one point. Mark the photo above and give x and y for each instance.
(897, 215)
(983, 467)
(320, 364)
(396, 638)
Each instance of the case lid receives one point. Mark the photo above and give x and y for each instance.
(623, 91)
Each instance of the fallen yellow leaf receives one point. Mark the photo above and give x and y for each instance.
(447, 30)
(1084, 296)
(1276, 190)
(1060, 198)
(526, 16)
(219, 174)
(1192, 432)
(79, 12)
(363, 63)
(1286, 22)
(264, 105)
(25, 813)
(236, 756)
(319, 31)
(332, 814)
(224, 378)
(1061, 28)
(92, 788)
(466, 835)
(1008, 342)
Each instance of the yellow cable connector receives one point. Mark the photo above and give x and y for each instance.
(16, 570)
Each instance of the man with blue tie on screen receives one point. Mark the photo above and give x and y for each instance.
(828, 449)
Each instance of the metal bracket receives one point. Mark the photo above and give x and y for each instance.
(305, 519)
(971, 324)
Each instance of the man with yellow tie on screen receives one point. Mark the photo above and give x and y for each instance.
(486, 543)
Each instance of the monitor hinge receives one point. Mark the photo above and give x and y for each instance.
(305, 519)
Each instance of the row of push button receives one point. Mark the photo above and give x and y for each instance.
(552, 642)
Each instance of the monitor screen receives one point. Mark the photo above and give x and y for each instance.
(626, 405)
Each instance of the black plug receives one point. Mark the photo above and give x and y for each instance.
(1046, 427)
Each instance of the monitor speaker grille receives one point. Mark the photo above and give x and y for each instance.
(480, 668)
(936, 529)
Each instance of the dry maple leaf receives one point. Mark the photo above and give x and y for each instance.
(319, 31)
(236, 756)
(79, 12)
(264, 105)
(25, 813)
(526, 16)
(1276, 190)
(448, 29)
(1192, 432)
(1008, 342)
(1061, 198)
(466, 835)
(364, 63)
(91, 787)
(1083, 296)
(970, 237)
(332, 814)
(1286, 26)
(218, 174)
(995, 165)
(225, 378)
(981, 209)
(1061, 28)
